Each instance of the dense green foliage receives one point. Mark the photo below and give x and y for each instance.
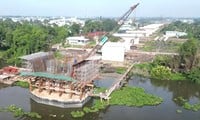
(188, 54)
(128, 96)
(161, 73)
(22, 84)
(17, 39)
(99, 25)
(75, 29)
(158, 69)
(194, 75)
(186, 105)
(19, 112)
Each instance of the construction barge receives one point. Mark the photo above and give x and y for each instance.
(58, 90)
(62, 83)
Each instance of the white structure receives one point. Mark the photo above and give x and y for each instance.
(129, 39)
(77, 40)
(132, 37)
(174, 34)
(113, 52)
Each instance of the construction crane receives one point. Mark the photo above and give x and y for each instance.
(104, 38)
(120, 22)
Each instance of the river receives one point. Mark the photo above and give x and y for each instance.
(168, 90)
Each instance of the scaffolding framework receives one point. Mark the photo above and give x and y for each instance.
(86, 70)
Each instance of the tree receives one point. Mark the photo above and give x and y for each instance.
(188, 53)
(75, 29)
(109, 24)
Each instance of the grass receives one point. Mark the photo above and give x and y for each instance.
(120, 70)
(19, 112)
(177, 76)
(127, 96)
(164, 46)
(22, 84)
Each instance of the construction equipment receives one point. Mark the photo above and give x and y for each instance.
(120, 22)
(104, 38)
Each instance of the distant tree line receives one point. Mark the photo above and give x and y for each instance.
(99, 25)
(17, 39)
(192, 29)
(22, 38)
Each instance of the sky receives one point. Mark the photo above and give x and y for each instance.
(104, 8)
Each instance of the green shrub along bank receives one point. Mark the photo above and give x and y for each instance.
(165, 73)
(19, 112)
(127, 96)
(186, 105)
(22, 84)
(194, 75)
(159, 72)
(120, 70)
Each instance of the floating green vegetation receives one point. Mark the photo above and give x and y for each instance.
(90, 110)
(128, 96)
(134, 96)
(186, 105)
(33, 115)
(120, 70)
(22, 84)
(179, 111)
(77, 114)
(19, 112)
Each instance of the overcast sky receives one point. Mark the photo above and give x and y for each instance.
(104, 8)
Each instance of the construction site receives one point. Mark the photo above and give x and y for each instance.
(64, 78)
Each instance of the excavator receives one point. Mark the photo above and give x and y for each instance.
(104, 38)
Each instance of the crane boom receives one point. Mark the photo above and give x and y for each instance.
(120, 22)
(104, 38)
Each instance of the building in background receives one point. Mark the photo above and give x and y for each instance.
(77, 40)
(175, 34)
(113, 52)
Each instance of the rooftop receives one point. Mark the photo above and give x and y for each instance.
(77, 38)
(48, 75)
(35, 55)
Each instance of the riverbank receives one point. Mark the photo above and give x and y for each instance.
(168, 90)
(149, 70)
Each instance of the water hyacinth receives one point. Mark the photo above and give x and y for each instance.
(19, 112)
(186, 105)
(127, 96)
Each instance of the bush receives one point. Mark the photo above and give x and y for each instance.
(194, 75)
(161, 73)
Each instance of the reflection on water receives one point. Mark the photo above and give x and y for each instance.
(168, 90)
(56, 113)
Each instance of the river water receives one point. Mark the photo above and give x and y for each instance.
(168, 90)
